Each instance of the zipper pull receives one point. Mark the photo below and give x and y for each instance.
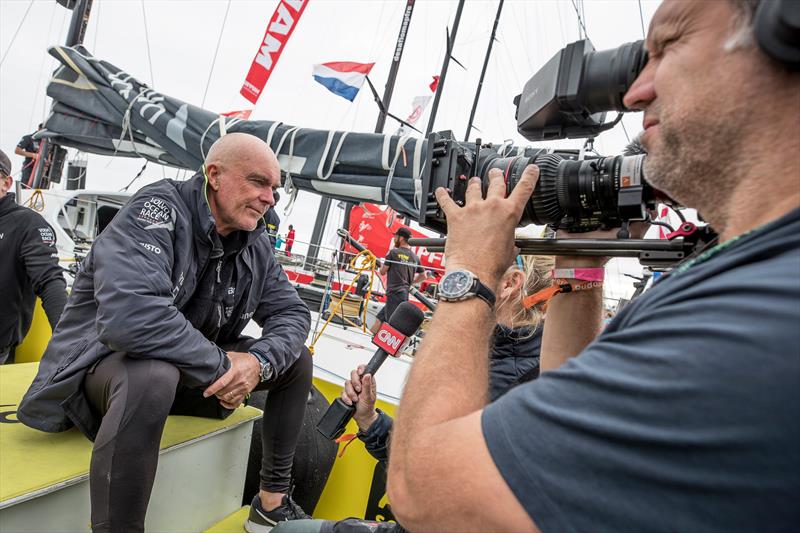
(219, 268)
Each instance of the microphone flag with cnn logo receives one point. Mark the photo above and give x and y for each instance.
(389, 340)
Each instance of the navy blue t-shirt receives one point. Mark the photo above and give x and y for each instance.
(684, 415)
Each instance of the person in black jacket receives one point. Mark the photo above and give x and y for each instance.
(28, 268)
(154, 327)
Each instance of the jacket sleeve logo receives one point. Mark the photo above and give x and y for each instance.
(157, 214)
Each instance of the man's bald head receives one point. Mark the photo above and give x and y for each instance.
(241, 148)
(242, 173)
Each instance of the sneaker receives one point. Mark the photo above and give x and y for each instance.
(261, 521)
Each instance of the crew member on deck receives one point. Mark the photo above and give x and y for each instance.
(28, 267)
(153, 327)
(402, 269)
(28, 148)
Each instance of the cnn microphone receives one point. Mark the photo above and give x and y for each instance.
(390, 339)
(344, 234)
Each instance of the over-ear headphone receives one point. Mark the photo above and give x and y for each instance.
(777, 30)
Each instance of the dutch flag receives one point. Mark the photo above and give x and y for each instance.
(344, 78)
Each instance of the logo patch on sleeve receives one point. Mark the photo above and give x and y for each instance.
(47, 235)
(157, 214)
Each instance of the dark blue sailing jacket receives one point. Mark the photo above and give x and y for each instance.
(133, 293)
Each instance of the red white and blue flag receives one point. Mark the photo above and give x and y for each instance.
(344, 78)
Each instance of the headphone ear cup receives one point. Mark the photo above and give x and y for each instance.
(777, 31)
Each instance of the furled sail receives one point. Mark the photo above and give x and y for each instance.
(102, 109)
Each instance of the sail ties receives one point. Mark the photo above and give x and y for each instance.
(288, 185)
(321, 174)
(397, 152)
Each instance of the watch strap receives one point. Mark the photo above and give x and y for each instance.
(483, 292)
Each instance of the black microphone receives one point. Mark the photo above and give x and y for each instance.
(390, 339)
(344, 234)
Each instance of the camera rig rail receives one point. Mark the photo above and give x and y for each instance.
(653, 253)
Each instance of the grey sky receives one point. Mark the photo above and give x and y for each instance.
(183, 35)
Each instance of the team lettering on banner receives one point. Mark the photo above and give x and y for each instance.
(279, 29)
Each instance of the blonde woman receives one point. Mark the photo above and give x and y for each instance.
(514, 357)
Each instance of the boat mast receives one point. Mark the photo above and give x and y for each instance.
(81, 9)
(325, 202)
(451, 39)
(483, 71)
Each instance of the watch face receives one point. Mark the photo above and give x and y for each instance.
(456, 284)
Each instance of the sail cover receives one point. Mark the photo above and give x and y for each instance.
(101, 109)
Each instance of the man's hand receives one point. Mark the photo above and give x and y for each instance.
(361, 391)
(480, 235)
(242, 377)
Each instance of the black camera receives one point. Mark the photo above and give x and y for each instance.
(568, 97)
(572, 194)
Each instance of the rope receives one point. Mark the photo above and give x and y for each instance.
(16, 32)
(36, 201)
(216, 50)
(147, 42)
(361, 262)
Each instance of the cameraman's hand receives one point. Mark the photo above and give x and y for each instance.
(480, 235)
(637, 231)
(361, 391)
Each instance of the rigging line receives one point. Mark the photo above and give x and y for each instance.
(41, 67)
(147, 42)
(580, 20)
(216, 51)
(641, 19)
(96, 27)
(625, 130)
(16, 32)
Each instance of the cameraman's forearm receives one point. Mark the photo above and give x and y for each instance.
(449, 377)
(573, 321)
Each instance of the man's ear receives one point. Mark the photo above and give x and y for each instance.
(213, 176)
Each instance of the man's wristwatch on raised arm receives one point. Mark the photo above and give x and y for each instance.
(267, 370)
(459, 285)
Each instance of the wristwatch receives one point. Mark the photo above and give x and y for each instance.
(266, 372)
(458, 285)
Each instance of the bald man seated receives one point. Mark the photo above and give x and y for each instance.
(153, 327)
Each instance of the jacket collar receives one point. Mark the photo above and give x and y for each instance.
(7, 203)
(193, 192)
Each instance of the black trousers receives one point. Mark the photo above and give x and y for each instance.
(135, 396)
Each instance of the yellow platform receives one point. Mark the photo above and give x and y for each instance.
(34, 464)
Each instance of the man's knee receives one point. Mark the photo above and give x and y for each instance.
(305, 364)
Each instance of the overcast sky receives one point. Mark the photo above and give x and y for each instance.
(183, 36)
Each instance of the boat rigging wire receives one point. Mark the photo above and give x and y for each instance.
(216, 51)
(147, 42)
(96, 25)
(41, 67)
(641, 19)
(16, 32)
(580, 20)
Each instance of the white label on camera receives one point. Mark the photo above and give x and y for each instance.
(630, 171)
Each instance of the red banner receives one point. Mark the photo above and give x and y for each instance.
(368, 225)
(279, 29)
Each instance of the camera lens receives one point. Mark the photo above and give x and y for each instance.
(608, 74)
(577, 195)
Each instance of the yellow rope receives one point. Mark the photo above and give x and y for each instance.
(368, 262)
(36, 201)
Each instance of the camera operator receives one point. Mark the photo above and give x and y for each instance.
(682, 415)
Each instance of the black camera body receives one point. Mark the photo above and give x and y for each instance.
(572, 194)
(570, 95)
